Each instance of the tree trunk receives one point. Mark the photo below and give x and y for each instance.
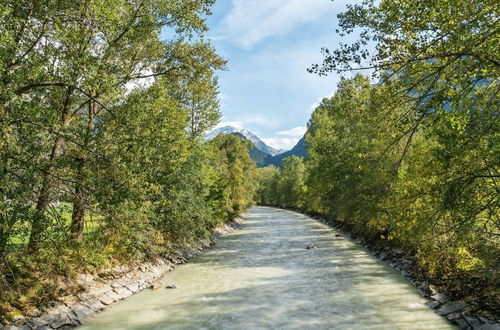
(4, 238)
(38, 223)
(78, 216)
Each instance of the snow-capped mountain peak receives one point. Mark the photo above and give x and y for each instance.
(258, 143)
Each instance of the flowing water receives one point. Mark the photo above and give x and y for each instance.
(262, 277)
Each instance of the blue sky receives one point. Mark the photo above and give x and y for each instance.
(269, 45)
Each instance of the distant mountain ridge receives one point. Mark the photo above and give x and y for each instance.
(298, 150)
(258, 143)
(262, 154)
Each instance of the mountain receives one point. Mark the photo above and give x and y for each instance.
(298, 150)
(262, 154)
(259, 157)
(258, 143)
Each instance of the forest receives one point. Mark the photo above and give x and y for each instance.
(104, 106)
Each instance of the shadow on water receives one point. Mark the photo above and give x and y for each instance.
(263, 277)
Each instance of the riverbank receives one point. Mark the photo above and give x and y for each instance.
(462, 312)
(100, 291)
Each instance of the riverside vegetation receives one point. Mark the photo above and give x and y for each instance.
(413, 161)
(102, 159)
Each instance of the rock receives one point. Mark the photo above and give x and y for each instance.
(19, 320)
(60, 321)
(94, 305)
(422, 292)
(123, 292)
(55, 313)
(156, 286)
(134, 287)
(171, 286)
(156, 271)
(69, 300)
(24, 327)
(106, 299)
(311, 247)
(458, 320)
(119, 270)
(33, 312)
(473, 321)
(433, 304)
(142, 284)
(37, 323)
(85, 281)
(451, 307)
(423, 286)
(441, 297)
(82, 313)
(489, 326)
(405, 273)
(453, 317)
(84, 296)
(113, 295)
(100, 289)
(433, 289)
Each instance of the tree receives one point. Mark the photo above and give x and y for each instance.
(445, 48)
(434, 55)
(290, 186)
(235, 173)
(267, 178)
(85, 57)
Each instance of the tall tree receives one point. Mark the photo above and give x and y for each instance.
(86, 56)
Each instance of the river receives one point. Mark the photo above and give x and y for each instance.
(262, 277)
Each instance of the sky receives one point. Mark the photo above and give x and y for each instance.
(269, 44)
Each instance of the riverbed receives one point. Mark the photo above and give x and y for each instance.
(263, 277)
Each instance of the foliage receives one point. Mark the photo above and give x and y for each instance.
(267, 193)
(283, 187)
(436, 197)
(438, 64)
(235, 169)
(101, 159)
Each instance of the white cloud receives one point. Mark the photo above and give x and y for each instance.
(281, 143)
(298, 131)
(250, 21)
(236, 124)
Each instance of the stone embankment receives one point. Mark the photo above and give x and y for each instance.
(107, 287)
(458, 312)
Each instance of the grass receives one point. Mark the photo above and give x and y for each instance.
(60, 217)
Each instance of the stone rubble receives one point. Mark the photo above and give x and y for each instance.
(108, 287)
